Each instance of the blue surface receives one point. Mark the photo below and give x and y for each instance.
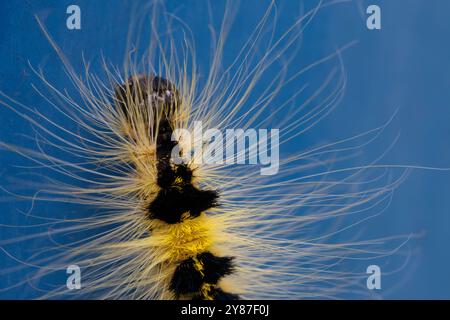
(404, 66)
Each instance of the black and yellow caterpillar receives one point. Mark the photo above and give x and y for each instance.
(179, 201)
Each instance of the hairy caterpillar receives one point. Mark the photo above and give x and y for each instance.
(176, 209)
(161, 230)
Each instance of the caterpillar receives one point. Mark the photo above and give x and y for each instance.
(159, 229)
(197, 270)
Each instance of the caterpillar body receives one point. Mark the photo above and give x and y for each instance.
(161, 229)
(197, 270)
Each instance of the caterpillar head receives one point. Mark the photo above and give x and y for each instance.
(145, 101)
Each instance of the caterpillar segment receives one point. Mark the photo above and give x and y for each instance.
(177, 210)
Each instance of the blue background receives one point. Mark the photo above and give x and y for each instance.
(404, 66)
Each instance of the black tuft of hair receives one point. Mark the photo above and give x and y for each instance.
(214, 267)
(172, 202)
(186, 279)
(184, 173)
